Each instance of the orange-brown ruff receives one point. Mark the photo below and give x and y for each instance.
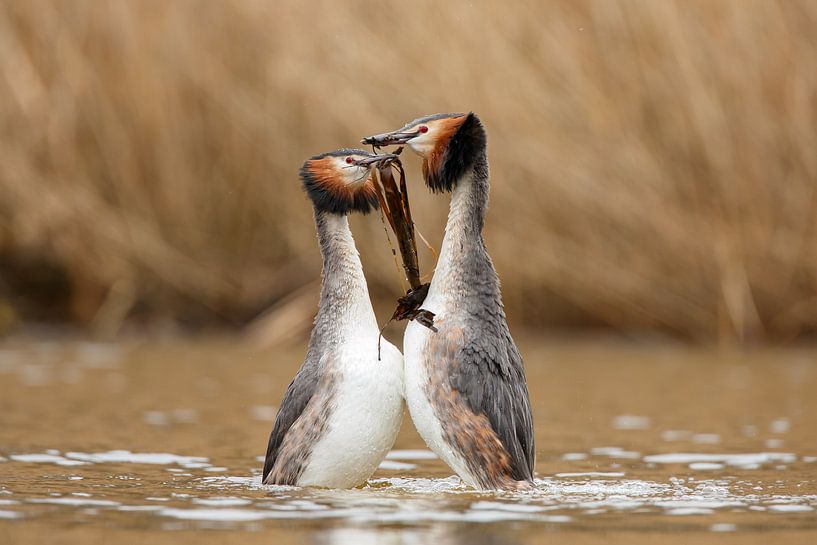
(337, 185)
(325, 174)
(447, 128)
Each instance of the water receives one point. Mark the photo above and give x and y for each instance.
(160, 443)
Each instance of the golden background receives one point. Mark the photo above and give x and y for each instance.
(654, 163)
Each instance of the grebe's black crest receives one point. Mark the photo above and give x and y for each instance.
(454, 154)
(337, 186)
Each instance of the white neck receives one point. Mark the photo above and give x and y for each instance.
(459, 238)
(345, 308)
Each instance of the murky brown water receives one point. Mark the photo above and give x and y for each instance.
(161, 443)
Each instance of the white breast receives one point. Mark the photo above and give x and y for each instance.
(419, 405)
(365, 419)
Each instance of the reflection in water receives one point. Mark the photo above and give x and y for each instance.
(435, 535)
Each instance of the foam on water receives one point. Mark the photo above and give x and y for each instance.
(194, 496)
(592, 474)
(791, 508)
(750, 461)
(76, 502)
(215, 515)
(39, 458)
(125, 456)
(222, 502)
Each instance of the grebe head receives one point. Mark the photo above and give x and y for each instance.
(341, 182)
(448, 144)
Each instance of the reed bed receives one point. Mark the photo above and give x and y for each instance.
(654, 163)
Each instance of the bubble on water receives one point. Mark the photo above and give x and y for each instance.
(676, 435)
(780, 425)
(8, 502)
(184, 416)
(139, 508)
(391, 465)
(231, 481)
(222, 502)
(45, 459)
(215, 515)
(451, 484)
(749, 430)
(156, 418)
(75, 502)
(774, 443)
(592, 474)
(705, 466)
(194, 465)
(9, 515)
(689, 511)
(510, 507)
(744, 461)
(411, 454)
(574, 456)
(152, 458)
(722, 527)
(790, 508)
(615, 452)
(631, 422)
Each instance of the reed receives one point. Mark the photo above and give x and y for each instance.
(653, 163)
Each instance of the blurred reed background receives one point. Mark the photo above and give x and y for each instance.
(654, 163)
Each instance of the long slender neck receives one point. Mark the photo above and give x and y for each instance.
(345, 309)
(464, 267)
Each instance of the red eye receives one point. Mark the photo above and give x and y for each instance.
(349, 160)
(423, 129)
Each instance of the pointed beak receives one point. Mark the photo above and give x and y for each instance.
(395, 138)
(379, 159)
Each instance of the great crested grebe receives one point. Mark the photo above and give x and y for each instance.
(341, 413)
(465, 384)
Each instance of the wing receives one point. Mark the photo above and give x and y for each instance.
(490, 377)
(296, 398)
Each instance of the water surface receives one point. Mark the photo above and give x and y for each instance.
(163, 442)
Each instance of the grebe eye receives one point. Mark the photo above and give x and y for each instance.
(349, 160)
(423, 129)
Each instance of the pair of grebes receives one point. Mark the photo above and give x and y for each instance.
(463, 380)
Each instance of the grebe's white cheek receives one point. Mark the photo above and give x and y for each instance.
(421, 146)
(356, 176)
